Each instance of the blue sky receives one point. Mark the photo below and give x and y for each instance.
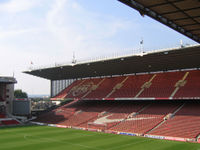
(49, 31)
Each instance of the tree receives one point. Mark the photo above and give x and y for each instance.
(20, 94)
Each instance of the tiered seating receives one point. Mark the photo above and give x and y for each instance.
(163, 85)
(82, 113)
(66, 91)
(81, 116)
(96, 110)
(131, 87)
(84, 88)
(142, 117)
(118, 112)
(147, 119)
(192, 86)
(185, 124)
(106, 87)
(60, 114)
(182, 84)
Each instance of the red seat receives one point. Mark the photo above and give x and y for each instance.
(178, 85)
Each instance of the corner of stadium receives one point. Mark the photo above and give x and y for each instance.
(150, 99)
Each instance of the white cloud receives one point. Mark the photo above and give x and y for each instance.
(78, 29)
(52, 36)
(14, 6)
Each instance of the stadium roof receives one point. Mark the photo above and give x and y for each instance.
(180, 15)
(163, 60)
(7, 80)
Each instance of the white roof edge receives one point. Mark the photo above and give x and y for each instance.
(108, 58)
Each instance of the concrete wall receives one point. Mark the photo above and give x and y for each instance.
(9, 97)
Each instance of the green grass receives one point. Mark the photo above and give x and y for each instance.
(50, 138)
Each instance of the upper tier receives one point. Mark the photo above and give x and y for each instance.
(168, 85)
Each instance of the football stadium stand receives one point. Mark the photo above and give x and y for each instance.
(157, 118)
(184, 124)
(8, 122)
(147, 119)
(168, 85)
(154, 94)
(66, 91)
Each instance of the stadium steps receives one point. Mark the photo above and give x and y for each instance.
(106, 87)
(117, 87)
(132, 114)
(78, 112)
(145, 107)
(180, 84)
(102, 113)
(168, 116)
(116, 113)
(146, 85)
(174, 113)
(168, 85)
(156, 126)
(117, 123)
(184, 124)
(191, 89)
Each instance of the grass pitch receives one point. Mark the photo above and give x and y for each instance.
(50, 138)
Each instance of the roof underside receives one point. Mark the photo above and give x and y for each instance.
(180, 15)
(183, 58)
(7, 80)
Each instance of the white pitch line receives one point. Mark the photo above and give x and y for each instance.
(26, 137)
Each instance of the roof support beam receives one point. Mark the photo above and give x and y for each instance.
(179, 19)
(165, 3)
(183, 11)
(170, 23)
(191, 24)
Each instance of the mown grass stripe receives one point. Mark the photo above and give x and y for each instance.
(51, 138)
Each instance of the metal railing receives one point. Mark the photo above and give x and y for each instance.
(136, 52)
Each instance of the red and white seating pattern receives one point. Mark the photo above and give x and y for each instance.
(185, 123)
(148, 117)
(157, 118)
(168, 85)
